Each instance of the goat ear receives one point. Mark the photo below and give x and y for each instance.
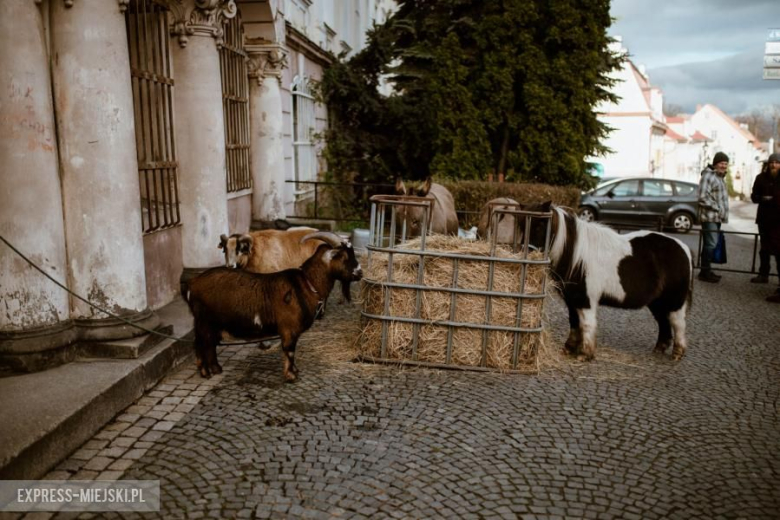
(222, 242)
(245, 244)
(400, 189)
(426, 187)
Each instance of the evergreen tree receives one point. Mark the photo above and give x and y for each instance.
(503, 86)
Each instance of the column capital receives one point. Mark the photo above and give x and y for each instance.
(200, 18)
(266, 60)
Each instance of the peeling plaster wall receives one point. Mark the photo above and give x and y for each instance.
(162, 258)
(95, 119)
(200, 142)
(30, 196)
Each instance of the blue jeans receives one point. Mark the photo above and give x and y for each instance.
(710, 231)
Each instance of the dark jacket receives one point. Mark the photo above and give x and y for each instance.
(766, 193)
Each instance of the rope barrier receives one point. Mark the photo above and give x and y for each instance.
(109, 313)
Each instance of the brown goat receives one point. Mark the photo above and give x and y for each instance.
(253, 306)
(271, 251)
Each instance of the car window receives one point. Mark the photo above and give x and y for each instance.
(658, 188)
(600, 192)
(685, 189)
(626, 189)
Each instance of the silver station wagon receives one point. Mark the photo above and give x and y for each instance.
(642, 201)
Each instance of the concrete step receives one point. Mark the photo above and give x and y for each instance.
(123, 349)
(47, 415)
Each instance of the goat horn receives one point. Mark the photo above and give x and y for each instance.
(328, 237)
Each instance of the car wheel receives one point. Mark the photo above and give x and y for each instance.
(682, 222)
(587, 214)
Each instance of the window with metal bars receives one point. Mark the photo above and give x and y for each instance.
(304, 127)
(152, 78)
(235, 102)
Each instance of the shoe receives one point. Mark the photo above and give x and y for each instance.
(709, 276)
(762, 278)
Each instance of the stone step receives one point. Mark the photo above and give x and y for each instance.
(130, 348)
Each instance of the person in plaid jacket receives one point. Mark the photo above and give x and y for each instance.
(713, 211)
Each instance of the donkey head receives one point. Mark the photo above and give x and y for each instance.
(413, 216)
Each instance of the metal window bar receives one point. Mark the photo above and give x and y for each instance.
(235, 104)
(379, 243)
(304, 126)
(152, 83)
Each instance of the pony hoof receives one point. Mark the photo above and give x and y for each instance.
(290, 377)
(660, 348)
(678, 355)
(204, 372)
(216, 369)
(585, 357)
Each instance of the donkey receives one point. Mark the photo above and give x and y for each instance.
(443, 219)
(596, 265)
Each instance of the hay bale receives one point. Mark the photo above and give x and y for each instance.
(467, 348)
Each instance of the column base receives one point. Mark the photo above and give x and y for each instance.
(38, 349)
(43, 348)
(111, 328)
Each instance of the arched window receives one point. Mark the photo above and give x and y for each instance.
(304, 127)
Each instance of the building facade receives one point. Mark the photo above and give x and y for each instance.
(636, 120)
(645, 142)
(147, 128)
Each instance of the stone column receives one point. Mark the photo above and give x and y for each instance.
(35, 313)
(265, 101)
(96, 134)
(200, 129)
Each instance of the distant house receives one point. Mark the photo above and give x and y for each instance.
(644, 142)
(637, 139)
(744, 150)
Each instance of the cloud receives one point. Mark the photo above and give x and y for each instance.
(734, 84)
(702, 51)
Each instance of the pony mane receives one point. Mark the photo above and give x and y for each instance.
(581, 246)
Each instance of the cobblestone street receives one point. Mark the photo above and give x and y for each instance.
(630, 435)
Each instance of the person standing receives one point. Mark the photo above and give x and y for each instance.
(764, 191)
(713, 211)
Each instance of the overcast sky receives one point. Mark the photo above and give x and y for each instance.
(702, 51)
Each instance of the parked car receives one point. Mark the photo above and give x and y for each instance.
(642, 201)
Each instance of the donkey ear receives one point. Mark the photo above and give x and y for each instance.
(426, 187)
(245, 244)
(222, 242)
(400, 189)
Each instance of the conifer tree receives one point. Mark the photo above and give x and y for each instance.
(502, 86)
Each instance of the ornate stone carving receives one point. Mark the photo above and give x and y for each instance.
(266, 61)
(201, 18)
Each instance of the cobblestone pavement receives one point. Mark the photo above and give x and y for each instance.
(629, 435)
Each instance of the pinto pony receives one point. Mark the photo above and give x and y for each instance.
(595, 265)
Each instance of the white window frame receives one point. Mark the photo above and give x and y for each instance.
(304, 128)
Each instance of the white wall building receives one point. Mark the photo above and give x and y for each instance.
(637, 122)
(728, 136)
(645, 142)
(149, 128)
